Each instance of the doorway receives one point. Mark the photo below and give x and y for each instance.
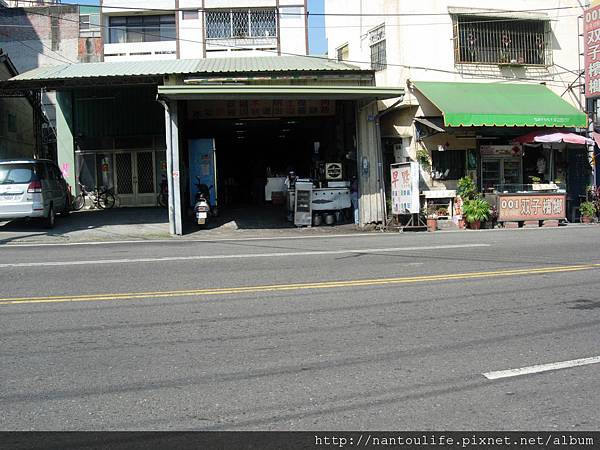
(134, 178)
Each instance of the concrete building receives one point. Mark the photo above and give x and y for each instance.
(191, 29)
(39, 34)
(19, 119)
(517, 58)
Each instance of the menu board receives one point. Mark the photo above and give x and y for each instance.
(405, 188)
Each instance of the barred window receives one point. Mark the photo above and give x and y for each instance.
(489, 40)
(241, 23)
(448, 165)
(141, 29)
(377, 44)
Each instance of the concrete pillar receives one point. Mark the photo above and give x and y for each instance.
(173, 167)
(370, 171)
(65, 147)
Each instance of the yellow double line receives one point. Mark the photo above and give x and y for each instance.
(297, 286)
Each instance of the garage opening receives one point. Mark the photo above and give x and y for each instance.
(257, 149)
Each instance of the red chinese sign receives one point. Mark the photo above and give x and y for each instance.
(514, 208)
(591, 35)
(229, 109)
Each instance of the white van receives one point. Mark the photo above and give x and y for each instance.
(32, 188)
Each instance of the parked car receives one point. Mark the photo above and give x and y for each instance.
(33, 188)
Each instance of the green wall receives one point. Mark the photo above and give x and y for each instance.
(123, 111)
(64, 136)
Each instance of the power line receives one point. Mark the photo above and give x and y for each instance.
(33, 50)
(408, 67)
(387, 25)
(473, 12)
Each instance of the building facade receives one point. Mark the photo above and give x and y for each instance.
(192, 29)
(19, 123)
(445, 49)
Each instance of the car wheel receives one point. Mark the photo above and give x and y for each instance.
(51, 219)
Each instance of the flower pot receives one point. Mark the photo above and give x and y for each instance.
(461, 224)
(586, 219)
(431, 224)
(475, 225)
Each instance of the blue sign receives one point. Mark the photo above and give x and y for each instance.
(202, 165)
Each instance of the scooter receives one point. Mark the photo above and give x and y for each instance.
(202, 208)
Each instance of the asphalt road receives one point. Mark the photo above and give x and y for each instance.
(387, 331)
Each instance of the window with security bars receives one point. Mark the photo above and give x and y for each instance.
(241, 23)
(377, 45)
(142, 28)
(489, 40)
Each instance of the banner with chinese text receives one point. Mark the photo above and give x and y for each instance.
(591, 40)
(405, 188)
(516, 208)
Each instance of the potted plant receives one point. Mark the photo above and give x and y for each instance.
(588, 211)
(423, 159)
(475, 211)
(466, 189)
(432, 218)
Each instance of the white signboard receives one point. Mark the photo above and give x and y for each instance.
(405, 188)
(501, 150)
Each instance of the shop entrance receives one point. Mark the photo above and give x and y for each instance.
(133, 175)
(135, 178)
(255, 155)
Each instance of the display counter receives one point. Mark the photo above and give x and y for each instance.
(326, 199)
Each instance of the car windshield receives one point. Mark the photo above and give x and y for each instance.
(16, 173)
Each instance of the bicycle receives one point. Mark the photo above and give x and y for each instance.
(101, 198)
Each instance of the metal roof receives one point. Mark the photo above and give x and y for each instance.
(157, 68)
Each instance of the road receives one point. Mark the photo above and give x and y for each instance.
(385, 331)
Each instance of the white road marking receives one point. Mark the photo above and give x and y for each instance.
(239, 256)
(541, 368)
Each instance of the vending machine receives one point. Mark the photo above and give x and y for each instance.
(203, 168)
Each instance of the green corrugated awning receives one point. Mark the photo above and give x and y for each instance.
(337, 92)
(494, 104)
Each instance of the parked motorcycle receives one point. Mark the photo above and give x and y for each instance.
(202, 207)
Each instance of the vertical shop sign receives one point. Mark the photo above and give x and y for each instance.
(405, 188)
(591, 39)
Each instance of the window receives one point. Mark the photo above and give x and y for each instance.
(246, 23)
(343, 53)
(89, 25)
(189, 15)
(84, 22)
(142, 29)
(489, 40)
(448, 165)
(377, 44)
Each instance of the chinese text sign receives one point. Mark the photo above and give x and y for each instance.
(405, 188)
(591, 34)
(531, 207)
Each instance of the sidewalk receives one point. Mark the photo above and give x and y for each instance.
(125, 224)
